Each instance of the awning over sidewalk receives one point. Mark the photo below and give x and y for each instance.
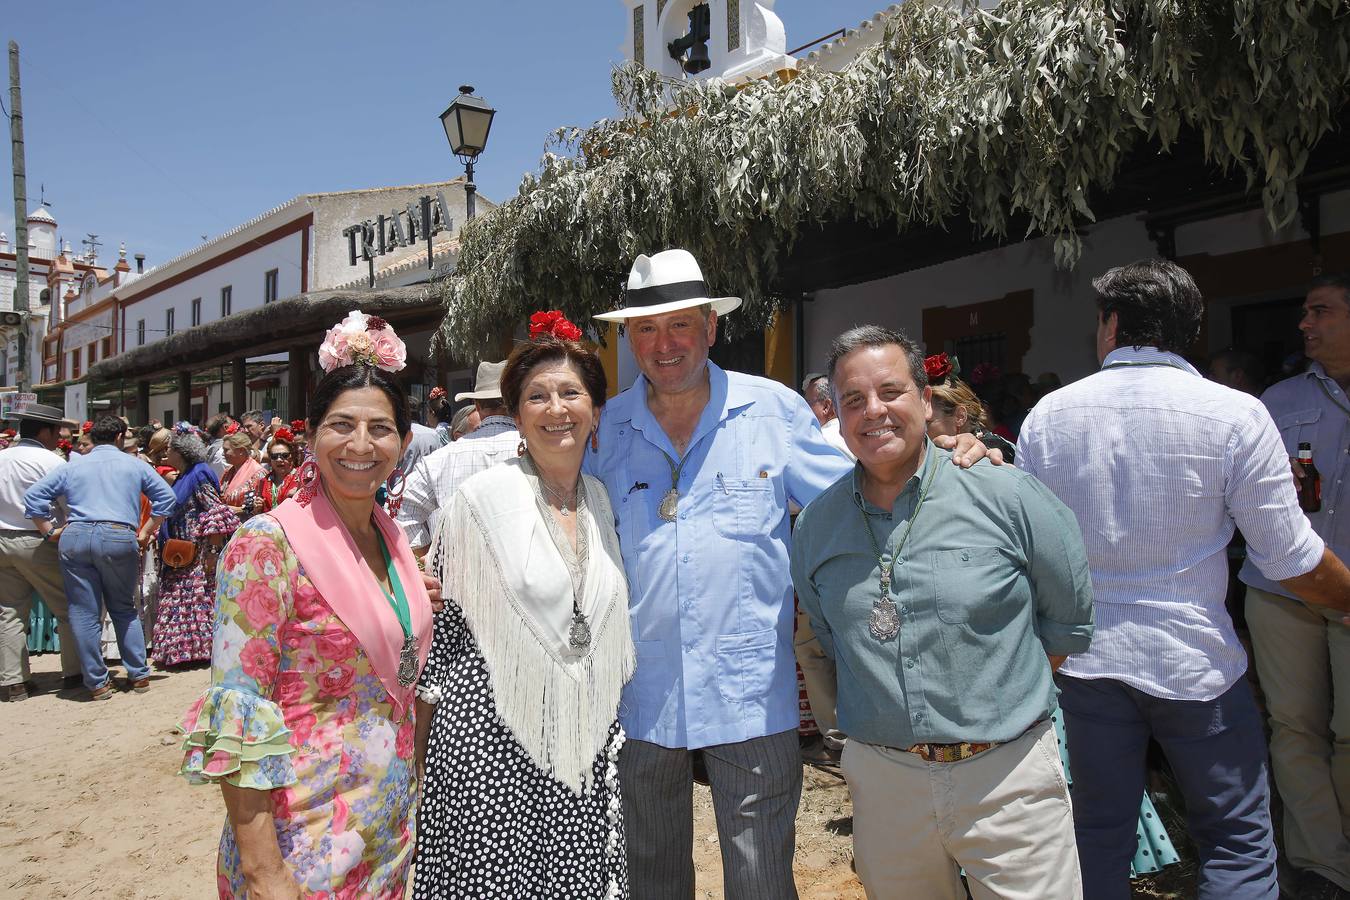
(298, 321)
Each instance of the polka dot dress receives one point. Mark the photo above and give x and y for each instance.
(491, 823)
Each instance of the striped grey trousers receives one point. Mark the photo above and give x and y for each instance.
(756, 787)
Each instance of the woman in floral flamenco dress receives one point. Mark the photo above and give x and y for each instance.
(322, 628)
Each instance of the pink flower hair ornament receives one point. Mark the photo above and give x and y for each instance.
(360, 338)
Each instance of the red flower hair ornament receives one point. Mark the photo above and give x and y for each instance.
(283, 434)
(553, 323)
(86, 427)
(937, 367)
(298, 426)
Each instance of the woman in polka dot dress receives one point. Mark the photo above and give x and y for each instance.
(518, 706)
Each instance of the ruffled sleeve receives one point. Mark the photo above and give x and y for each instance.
(214, 516)
(236, 732)
(239, 738)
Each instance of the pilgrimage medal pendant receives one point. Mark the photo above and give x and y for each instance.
(668, 505)
(407, 662)
(579, 632)
(884, 623)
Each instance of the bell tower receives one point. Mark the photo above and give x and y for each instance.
(736, 40)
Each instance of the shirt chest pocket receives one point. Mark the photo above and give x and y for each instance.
(974, 586)
(743, 507)
(1297, 427)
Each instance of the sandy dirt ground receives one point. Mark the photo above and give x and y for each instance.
(91, 805)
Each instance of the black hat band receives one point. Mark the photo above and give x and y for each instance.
(666, 293)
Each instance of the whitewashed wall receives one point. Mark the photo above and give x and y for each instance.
(243, 274)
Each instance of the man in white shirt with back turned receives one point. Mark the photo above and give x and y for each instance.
(1158, 465)
(27, 562)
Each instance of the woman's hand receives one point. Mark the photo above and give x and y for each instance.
(433, 586)
(277, 885)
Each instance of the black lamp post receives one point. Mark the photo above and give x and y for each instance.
(467, 122)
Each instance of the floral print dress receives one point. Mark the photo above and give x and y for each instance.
(185, 615)
(295, 708)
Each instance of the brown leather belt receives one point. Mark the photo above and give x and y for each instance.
(950, 753)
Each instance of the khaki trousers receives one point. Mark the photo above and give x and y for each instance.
(1004, 816)
(29, 564)
(819, 673)
(1303, 661)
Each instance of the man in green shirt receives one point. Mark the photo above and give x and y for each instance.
(944, 636)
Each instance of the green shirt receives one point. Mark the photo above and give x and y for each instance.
(994, 577)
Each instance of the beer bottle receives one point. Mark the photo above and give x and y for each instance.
(1310, 485)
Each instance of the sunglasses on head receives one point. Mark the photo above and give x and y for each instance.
(278, 456)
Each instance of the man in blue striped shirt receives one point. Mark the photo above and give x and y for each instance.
(1303, 651)
(1159, 464)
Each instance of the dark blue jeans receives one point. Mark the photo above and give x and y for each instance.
(1217, 751)
(99, 564)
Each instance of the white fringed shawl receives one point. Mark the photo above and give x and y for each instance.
(498, 563)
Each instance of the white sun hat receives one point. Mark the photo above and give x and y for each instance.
(666, 282)
(488, 384)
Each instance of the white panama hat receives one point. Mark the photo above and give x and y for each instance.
(488, 384)
(668, 281)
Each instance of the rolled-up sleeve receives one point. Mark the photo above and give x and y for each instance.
(1259, 492)
(1057, 566)
(37, 500)
(807, 597)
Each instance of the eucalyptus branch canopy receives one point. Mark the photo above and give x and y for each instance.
(1025, 111)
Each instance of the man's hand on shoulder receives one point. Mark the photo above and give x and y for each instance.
(967, 450)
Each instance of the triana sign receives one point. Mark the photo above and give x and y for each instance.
(420, 221)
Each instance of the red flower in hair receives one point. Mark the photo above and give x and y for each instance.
(938, 367)
(297, 425)
(375, 323)
(65, 445)
(553, 323)
(232, 428)
(86, 427)
(284, 435)
(985, 373)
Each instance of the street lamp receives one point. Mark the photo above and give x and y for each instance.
(467, 122)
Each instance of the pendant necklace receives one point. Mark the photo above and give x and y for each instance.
(884, 623)
(561, 498)
(579, 630)
(408, 660)
(671, 501)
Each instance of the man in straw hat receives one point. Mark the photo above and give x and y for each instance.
(27, 563)
(436, 476)
(701, 465)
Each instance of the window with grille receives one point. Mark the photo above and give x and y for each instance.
(196, 312)
(270, 286)
(168, 322)
(226, 300)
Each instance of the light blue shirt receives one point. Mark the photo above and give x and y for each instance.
(1159, 464)
(104, 485)
(1312, 408)
(710, 593)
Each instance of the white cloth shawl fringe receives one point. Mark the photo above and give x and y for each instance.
(498, 563)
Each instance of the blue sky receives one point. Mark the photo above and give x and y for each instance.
(158, 122)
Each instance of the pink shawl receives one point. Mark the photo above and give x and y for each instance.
(232, 491)
(334, 564)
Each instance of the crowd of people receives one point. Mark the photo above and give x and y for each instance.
(508, 641)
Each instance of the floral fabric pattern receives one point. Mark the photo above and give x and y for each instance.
(185, 619)
(295, 708)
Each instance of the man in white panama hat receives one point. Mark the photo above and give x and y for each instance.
(701, 465)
